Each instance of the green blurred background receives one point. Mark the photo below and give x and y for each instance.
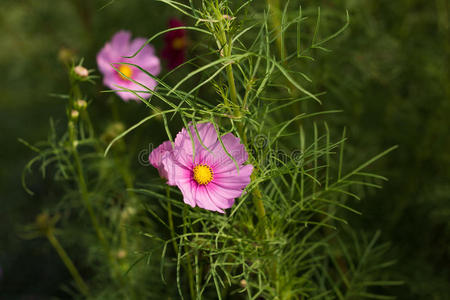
(388, 72)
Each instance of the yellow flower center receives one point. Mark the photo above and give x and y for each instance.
(178, 43)
(203, 174)
(126, 71)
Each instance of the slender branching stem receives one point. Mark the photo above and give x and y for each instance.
(275, 18)
(191, 279)
(170, 217)
(82, 185)
(257, 201)
(232, 86)
(83, 188)
(189, 263)
(67, 262)
(227, 49)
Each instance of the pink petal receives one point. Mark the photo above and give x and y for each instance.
(175, 170)
(224, 193)
(145, 80)
(186, 187)
(205, 130)
(204, 200)
(137, 43)
(127, 96)
(120, 42)
(234, 180)
(224, 196)
(104, 59)
(222, 162)
(146, 58)
(155, 158)
(207, 133)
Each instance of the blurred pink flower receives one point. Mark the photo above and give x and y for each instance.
(175, 45)
(113, 53)
(209, 179)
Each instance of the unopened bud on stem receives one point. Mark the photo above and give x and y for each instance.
(243, 283)
(43, 222)
(66, 55)
(121, 254)
(81, 71)
(74, 114)
(80, 104)
(227, 17)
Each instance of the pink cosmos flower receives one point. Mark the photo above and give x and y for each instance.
(113, 53)
(175, 45)
(208, 177)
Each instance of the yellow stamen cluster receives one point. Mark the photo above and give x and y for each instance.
(203, 174)
(178, 43)
(126, 71)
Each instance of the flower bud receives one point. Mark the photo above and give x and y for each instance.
(81, 71)
(80, 104)
(74, 114)
(112, 131)
(243, 283)
(121, 253)
(43, 222)
(128, 212)
(66, 55)
(227, 17)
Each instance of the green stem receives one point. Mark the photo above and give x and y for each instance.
(75, 94)
(257, 197)
(276, 24)
(189, 262)
(84, 192)
(226, 42)
(88, 121)
(172, 228)
(85, 195)
(257, 201)
(68, 263)
(128, 180)
(191, 279)
(232, 85)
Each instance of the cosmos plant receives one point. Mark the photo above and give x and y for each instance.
(249, 199)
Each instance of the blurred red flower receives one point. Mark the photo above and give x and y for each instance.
(175, 44)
